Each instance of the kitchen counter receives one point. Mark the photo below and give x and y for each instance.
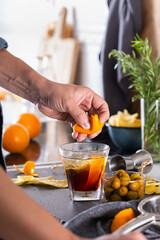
(45, 147)
(57, 201)
(44, 150)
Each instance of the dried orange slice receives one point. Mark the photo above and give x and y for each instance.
(28, 169)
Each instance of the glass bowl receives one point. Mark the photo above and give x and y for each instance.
(123, 186)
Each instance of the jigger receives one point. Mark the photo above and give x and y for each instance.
(132, 162)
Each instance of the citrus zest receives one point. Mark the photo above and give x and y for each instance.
(28, 169)
(95, 126)
(121, 218)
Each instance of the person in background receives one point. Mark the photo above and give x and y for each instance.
(124, 21)
(20, 216)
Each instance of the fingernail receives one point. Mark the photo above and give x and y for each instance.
(86, 126)
(102, 121)
(74, 135)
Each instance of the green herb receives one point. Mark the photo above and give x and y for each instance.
(144, 73)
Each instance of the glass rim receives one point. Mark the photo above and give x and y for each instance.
(144, 176)
(61, 147)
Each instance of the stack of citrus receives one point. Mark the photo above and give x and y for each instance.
(16, 137)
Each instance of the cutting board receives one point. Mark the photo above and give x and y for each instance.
(62, 53)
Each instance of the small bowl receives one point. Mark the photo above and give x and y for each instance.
(123, 186)
(125, 138)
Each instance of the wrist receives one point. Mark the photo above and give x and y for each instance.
(35, 86)
(46, 89)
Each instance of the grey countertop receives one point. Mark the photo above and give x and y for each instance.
(44, 150)
(57, 201)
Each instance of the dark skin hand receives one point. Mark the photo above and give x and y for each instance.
(26, 219)
(65, 102)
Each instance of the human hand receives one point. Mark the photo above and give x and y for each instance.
(128, 236)
(72, 103)
(64, 102)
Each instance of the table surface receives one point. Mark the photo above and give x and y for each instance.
(57, 201)
(44, 150)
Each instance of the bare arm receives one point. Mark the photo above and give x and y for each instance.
(17, 77)
(65, 102)
(23, 218)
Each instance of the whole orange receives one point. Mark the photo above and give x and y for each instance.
(31, 122)
(15, 138)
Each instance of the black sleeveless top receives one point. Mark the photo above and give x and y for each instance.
(3, 44)
(2, 161)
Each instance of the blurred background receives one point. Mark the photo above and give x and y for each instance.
(23, 23)
(97, 28)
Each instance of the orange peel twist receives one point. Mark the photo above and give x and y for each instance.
(94, 123)
(28, 169)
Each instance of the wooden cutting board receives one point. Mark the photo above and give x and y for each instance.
(62, 53)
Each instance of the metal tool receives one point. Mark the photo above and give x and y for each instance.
(150, 215)
(132, 162)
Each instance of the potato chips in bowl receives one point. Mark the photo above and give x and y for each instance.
(124, 119)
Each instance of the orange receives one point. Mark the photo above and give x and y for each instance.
(31, 122)
(33, 151)
(15, 138)
(121, 218)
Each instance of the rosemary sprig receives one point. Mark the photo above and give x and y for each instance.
(144, 73)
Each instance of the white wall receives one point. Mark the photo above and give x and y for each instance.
(22, 23)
